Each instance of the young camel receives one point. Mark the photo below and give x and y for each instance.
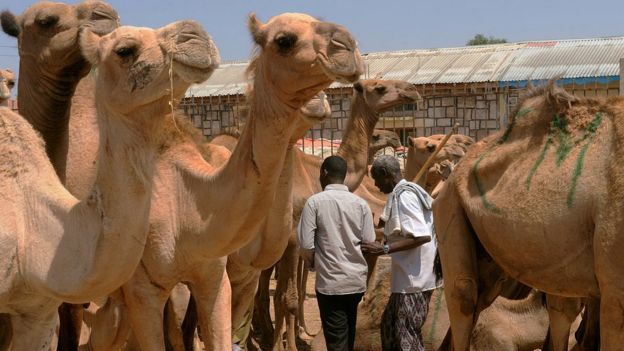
(46, 230)
(533, 169)
(370, 97)
(7, 82)
(48, 35)
(298, 56)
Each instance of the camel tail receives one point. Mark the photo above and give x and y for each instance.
(302, 273)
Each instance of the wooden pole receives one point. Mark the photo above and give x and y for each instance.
(427, 164)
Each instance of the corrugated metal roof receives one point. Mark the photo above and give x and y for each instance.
(510, 62)
(568, 58)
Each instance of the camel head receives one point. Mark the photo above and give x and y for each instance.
(420, 148)
(316, 110)
(383, 138)
(381, 95)
(7, 82)
(302, 55)
(313, 112)
(134, 63)
(48, 32)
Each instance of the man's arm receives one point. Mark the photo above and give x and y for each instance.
(306, 231)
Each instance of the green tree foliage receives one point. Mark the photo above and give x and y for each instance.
(481, 39)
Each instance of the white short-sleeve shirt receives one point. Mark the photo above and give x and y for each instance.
(412, 269)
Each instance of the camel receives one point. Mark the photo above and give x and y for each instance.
(370, 97)
(380, 140)
(297, 57)
(7, 82)
(419, 150)
(543, 168)
(47, 34)
(46, 230)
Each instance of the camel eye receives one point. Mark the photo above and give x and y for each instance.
(48, 21)
(431, 147)
(125, 52)
(11, 84)
(380, 89)
(285, 42)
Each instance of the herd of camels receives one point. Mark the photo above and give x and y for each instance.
(123, 226)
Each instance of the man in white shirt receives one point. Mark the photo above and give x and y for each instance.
(408, 231)
(333, 225)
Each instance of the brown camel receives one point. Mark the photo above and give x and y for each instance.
(543, 170)
(47, 231)
(297, 57)
(370, 97)
(419, 150)
(380, 140)
(562, 312)
(47, 34)
(7, 82)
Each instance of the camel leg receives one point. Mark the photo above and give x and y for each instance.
(562, 312)
(34, 331)
(285, 300)
(459, 265)
(189, 324)
(214, 310)
(588, 333)
(70, 323)
(302, 285)
(110, 327)
(6, 332)
(262, 323)
(145, 302)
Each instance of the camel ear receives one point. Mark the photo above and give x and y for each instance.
(10, 24)
(255, 28)
(90, 46)
(358, 86)
(410, 141)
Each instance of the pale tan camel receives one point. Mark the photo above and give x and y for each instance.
(524, 187)
(7, 82)
(298, 56)
(370, 97)
(47, 34)
(57, 231)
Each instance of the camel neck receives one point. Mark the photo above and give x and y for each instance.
(46, 102)
(108, 229)
(355, 141)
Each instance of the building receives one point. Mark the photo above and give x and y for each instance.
(475, 86)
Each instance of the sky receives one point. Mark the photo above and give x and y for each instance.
(379, 25)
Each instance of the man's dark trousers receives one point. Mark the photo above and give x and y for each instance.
(339, 316)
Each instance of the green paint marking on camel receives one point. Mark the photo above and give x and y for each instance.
(488, 205)
(523, 112)
(475, 169)
(538, 162)
(589, 135)
(559, 128)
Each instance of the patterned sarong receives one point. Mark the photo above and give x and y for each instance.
(402, 321)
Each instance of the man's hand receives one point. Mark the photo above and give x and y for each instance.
(372, 248)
